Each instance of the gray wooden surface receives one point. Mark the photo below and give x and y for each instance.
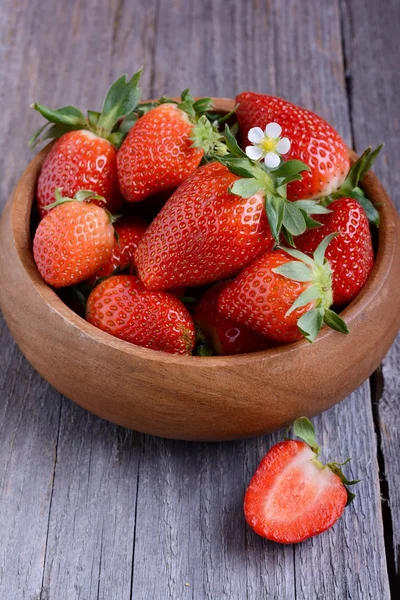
(91, 511)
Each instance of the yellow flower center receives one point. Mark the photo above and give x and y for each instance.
(268, 144)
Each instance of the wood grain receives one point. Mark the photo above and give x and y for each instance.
(277, 47)
(375, 117)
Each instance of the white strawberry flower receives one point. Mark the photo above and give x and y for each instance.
(267, 144)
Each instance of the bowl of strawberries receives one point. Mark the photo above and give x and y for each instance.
(200, 269)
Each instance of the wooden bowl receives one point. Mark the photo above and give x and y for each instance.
(193, 398)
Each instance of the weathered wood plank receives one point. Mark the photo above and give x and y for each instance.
(373, 55)
(92, 519)
(29, 416)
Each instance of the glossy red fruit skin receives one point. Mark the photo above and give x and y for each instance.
(80, 160)
(287, 508)
(157, 155)
(350, 254)
(121, 306)
(313, 141)
(203, 233)
(225, 336)
(129, 231)
(72, 242)
(258, 299)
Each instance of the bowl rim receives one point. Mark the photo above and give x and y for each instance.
(21, 209)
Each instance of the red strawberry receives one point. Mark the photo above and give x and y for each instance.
(72, 241)
(350, 254)
(121, 306)
(203, 233)
(80, 160)
(129, 231)
(85, 155)
(164, 147)
(313, 141)
(225, 336)
(292, 495)
(283, 299)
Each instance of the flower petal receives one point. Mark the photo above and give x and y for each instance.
(254, 152)
(273, 130)
(272, 160)
(255, 135)
(283, 146)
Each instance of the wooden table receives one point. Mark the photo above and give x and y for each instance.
(91, 511)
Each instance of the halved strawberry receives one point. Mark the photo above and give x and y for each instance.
(292, 495)
(85, 153)
(121, 306)
(313, 141)
(165, 146)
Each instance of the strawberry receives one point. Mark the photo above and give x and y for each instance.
(282, 298)
(203, 233)
(313, 141)
(225, 336)
(128, 233)
(292, 495)
(350, 253)
(164, 147)
(85, 153)
(121, 306)
(73, 240)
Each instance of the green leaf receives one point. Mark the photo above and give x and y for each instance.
(359, 169)
(203, 350)
(304, 429)
(310, 294)
(188, 299)
(319, 253)
(68, 115)
(350, 497)
(295, 270)
(299, 255)
(238, 166)
(116, 138)
(288, 237)
(310, 324)
(334, 321)
(246, 188)
(121, 99)
(128, 122)
(202, 105)
(93, 118)
(310, 223)
(290, 168)
(369, 209)
(232, 144)
(311, 207)
(293, 219)
(275, 209)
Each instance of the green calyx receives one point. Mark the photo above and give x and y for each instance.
(112, 123)
(350, 187)
(290, 218)
(81, 196)
(304, 429)
(318, 273)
